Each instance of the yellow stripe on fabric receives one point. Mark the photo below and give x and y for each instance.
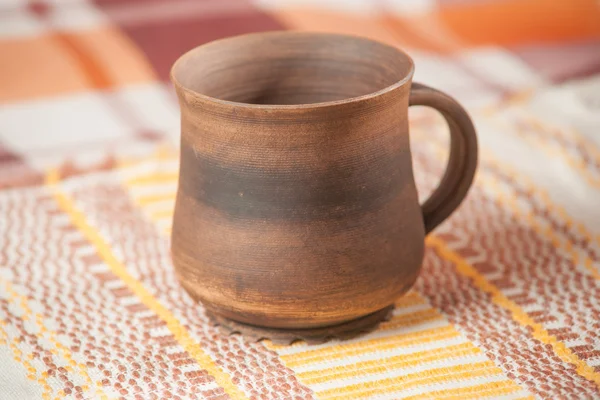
(162, 214)
(553, 131)
(546, 200)
(386, 364)
(162, 153)
(518, 314)
(428, 377)
(151, 179)
(411, 298)
(148, 200)
(343, 350)
(554, 149)
(175, 327)
(548, 232)
(551, 149)
(158, 216)
(543, 195)
(491, 389)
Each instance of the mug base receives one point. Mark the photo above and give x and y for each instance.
(345, 330)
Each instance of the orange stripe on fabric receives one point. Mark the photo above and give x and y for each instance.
(518, 314)
(64, 63)
(121, 60)
(42, 68)
(96, 76)
(321, 20)
(178, 331)
(409, 32)
(515, 22)
(427, 32)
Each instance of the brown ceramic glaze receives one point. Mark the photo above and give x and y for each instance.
(297, 206)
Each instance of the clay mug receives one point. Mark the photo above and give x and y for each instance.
(297, 206)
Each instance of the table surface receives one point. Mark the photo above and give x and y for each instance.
(508, 302)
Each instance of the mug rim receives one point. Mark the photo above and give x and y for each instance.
(355, 99)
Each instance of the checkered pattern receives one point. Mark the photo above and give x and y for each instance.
(508, 303)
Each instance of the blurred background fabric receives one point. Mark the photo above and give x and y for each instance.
(508, 302)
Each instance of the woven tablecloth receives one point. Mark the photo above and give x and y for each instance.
(508, 302)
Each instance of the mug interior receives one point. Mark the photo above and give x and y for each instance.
(291, 68)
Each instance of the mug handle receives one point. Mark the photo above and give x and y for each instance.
(462, 161)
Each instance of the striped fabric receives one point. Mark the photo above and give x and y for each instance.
(508, 302)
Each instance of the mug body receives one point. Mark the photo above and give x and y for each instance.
(296, 205)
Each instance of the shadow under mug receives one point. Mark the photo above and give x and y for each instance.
(297, 206)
